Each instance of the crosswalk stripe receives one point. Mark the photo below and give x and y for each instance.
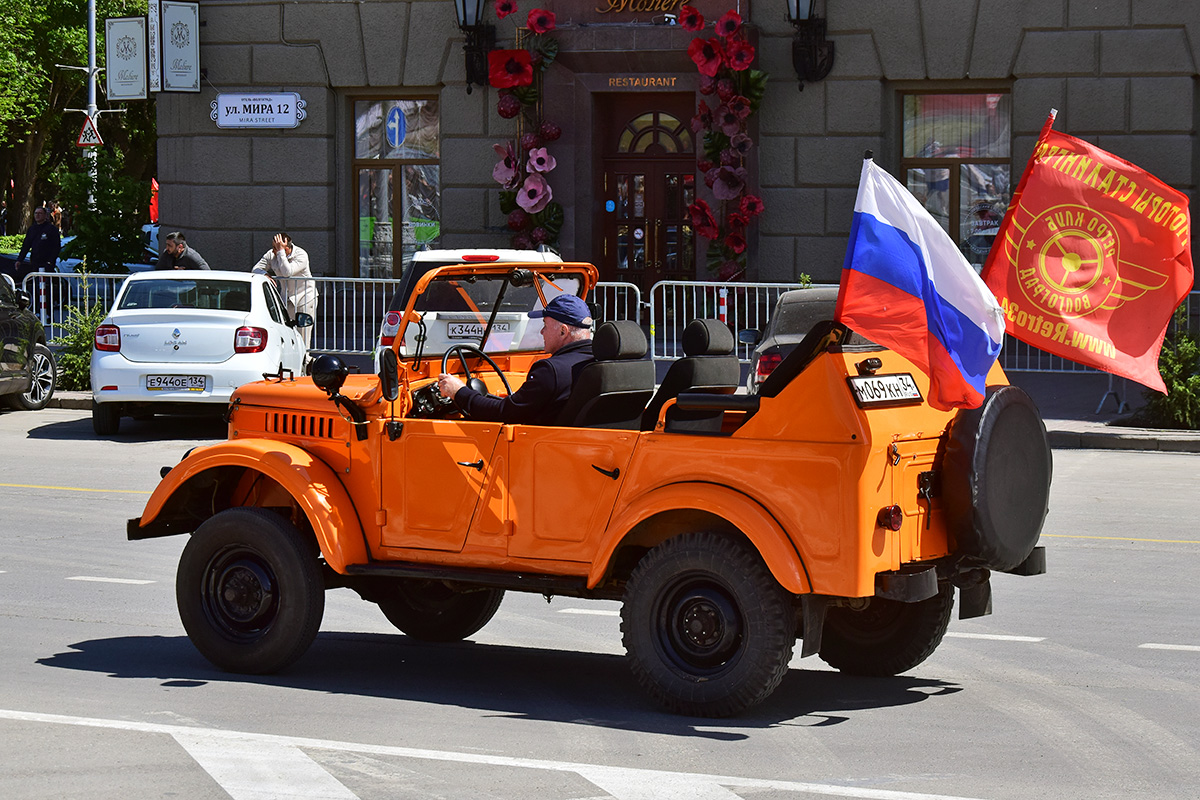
(1188, 647)
(95, 579)
(994, 637)
(594, 612)
(250, 769)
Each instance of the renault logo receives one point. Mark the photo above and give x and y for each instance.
(175, 333)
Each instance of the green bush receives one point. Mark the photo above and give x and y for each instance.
(1179, 365)
(79, 335)
(111, 229)
(11, 243)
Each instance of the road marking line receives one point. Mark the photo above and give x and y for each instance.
(995, 636)
(95, 579)
(1119, 538)
(1191, 648)
(70, 488)
(642, 783)
(595, 612)
(251, 770)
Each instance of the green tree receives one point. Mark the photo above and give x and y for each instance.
(110, 229)
(1179, 365)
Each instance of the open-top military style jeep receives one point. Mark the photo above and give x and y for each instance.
(834, 506)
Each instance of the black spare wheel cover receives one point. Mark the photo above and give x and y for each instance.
(996, 481)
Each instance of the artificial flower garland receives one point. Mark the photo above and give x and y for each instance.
(534, 217)
(724, 65)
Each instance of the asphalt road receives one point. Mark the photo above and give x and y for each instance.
(1085, 683)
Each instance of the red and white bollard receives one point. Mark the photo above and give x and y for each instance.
(723, 306)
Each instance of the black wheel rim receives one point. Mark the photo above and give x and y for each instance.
(43, 379)
(698, 626)
(240, 594)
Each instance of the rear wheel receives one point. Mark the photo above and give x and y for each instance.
(708, 629)
(250, 591)
(106, 418)
(886, 637)
(44, 373)
(435, 612)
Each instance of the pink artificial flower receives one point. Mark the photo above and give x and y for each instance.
(504, 8)
(739, 106)
(740, 143)
(727, 121)
(535, 194)
(505, 171)
(708, 84)
(540, 20)
(540, 160)
(728, 183)
(739, 54)
(725, 89)
(728, 24)
(708, 55)
(752, 205)
(690, 19)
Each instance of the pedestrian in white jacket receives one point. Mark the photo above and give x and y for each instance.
(289, 263)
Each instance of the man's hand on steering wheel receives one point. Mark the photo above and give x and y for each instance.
(448, 385)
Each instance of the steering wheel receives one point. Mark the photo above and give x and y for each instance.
(462, 350)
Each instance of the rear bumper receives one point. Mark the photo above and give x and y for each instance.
(129, 379)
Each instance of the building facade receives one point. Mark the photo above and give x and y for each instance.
(394, 152)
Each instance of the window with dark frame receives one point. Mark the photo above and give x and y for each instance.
(956, 159)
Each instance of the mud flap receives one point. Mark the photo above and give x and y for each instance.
(812, 612)
(975, 601)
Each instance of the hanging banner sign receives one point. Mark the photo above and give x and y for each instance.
(125, 48)
(275, 110)
(88, 135)
(180, 46)
(154, 45)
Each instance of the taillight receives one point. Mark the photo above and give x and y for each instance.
(767, 364)
(391, 324)
(108, 338)
(249, 340)
(470, 257)
(890, 518)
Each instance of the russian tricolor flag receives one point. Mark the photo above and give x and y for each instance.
(906, 286)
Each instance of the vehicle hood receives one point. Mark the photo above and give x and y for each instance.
(190, 336)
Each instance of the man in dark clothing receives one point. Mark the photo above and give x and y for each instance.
(177, 255)
(42, 242)
(567, 333)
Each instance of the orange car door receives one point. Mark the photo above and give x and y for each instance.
(562, 485)
(431, 480)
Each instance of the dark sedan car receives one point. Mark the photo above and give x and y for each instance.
(27, 370)
(795, 313)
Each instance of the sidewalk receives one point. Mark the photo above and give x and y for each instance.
(1068, 403)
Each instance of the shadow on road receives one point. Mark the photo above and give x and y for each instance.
(206, 427)
(545, 685)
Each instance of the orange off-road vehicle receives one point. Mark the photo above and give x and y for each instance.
(835, 505)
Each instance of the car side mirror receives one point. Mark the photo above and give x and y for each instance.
(302, 320)
(749, 337)
(22, 299)
(389, 374)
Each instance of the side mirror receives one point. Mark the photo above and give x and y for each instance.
(389, 374)
(749, 337)
(22, 299)
(302, 320)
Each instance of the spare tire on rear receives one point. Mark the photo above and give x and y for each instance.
(996, 481)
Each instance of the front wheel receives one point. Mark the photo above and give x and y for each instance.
(250, 591)
(43, 372)
(435, 612)
(886, 637)
(708, 630)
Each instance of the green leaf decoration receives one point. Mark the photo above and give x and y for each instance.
(714, 143)
(547, 47)
(508, 202)
(528, 95)
(551, 218)
(755, 87)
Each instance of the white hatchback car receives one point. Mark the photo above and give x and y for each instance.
(175, 339)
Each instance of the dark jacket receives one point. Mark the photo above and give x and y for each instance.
(188, 259)
(540, 398)
(42, 243)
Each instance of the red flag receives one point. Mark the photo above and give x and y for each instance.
(1092, 258)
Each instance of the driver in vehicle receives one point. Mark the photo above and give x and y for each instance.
(567, 333)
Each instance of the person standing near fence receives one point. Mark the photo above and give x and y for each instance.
(177, 255)
(290, 262)
(42, 242)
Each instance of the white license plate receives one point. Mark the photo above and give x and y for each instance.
(472, 330)
(178, 383)
(879, 390)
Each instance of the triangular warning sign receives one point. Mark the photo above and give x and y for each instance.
(88, 135)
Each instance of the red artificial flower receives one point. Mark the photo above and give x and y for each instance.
(509, 68)
(703, 119)
(725, 89)
(505, 7)
(540, 20)
(736, 242)
(739, 54)
(752, 205)
(708, 55)
(704, 166)
(690, 19)
(736, 222)
(728, 24)
(729, 182)
(739, 105)
(729, 270)
(701, 214)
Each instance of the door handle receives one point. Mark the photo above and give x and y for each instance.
(614, 473)
(658, 243)
(472, 464)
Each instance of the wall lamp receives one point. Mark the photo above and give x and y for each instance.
(480, 40)
(812, 53)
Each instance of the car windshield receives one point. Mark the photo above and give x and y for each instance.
(456, 310)
(220, 295)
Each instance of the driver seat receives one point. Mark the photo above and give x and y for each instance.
(611, 391)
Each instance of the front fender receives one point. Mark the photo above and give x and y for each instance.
(739, 510)
(308, 479)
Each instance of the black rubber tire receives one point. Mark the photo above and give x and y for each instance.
(250, 591)
(106, 418)
(887, 637)
(996, 480)
(708, 630)
(431, 611)
(44, 373)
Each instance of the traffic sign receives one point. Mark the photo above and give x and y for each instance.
(88, 135)
(397, 127)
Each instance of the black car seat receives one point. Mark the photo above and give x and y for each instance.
(709, 365)
(612, 391)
